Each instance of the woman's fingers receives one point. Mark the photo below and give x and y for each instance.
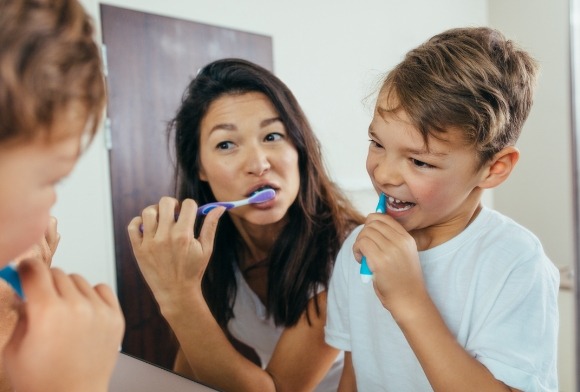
(207, 234)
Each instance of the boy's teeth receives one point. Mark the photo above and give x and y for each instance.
(399, 205)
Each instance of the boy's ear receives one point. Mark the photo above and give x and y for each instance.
(500, 167)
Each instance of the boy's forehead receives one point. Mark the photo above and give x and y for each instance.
(433, 140)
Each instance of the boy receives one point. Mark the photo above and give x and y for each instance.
(52, 96)
(463, 298)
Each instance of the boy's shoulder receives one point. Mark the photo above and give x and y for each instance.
(497, 234)
(494, 225)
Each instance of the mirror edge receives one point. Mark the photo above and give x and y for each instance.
(575, 145)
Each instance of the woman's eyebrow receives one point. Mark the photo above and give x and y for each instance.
(268, 121)
(233, 127)
(223, 126)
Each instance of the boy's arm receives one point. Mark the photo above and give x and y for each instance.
(347, 379)
(431, 341)
(398, 281)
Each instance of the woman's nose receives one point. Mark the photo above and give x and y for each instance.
(257, 161)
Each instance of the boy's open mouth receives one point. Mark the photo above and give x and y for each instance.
(398, 205)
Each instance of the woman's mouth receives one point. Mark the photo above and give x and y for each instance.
(259, 189)
(397, 205)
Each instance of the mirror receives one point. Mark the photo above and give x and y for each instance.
(379, 33)
(575, 105)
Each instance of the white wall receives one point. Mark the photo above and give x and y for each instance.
(539, 193)
(331, 54)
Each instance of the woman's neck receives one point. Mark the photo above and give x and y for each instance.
(256, 242)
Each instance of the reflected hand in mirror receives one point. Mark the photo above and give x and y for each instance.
(245, 292)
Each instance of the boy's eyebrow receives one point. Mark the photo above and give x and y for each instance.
(414, 151)
(425, 151)
(232, 127)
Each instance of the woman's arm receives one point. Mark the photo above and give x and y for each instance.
(300, 361)
(347, 379)
(302, 358)
(173, 263)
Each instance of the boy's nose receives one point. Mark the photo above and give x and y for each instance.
(387, 174)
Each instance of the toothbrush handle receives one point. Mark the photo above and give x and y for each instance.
(10, 275)
(206, 208)
(366, 274)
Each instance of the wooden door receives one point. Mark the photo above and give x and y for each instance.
(150, 60)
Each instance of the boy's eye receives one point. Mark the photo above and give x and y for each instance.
(375, 143)
(419, 163)
(271, 137)
(225, 145)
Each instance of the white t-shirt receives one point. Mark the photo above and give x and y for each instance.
(493, 285)
(251, 326)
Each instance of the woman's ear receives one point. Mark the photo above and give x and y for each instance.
(201, 174)
(500, 167)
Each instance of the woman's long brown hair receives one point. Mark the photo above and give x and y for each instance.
(320, 218)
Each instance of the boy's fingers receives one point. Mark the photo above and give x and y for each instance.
(36, 280)
(107, 295)
(52, 235)
(64, 285)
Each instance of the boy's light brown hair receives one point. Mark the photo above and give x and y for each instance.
(472, 79)
(49, 63)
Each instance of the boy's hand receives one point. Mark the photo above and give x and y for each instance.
(68, 333)
(392, 256)
(44, 250)
(9, 303)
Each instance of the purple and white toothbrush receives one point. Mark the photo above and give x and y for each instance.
(260, 196)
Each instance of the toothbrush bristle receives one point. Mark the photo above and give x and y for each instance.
(263, 195)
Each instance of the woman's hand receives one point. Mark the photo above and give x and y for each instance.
(169, 256)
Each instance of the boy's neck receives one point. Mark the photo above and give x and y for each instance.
(436, 235)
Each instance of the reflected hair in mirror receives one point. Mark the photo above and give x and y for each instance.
(298, 265)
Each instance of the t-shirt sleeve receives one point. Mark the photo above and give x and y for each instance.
(337, 329)
(517, 340)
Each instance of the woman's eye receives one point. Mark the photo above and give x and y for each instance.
(225, 145)
(419, 163)
(271, 137)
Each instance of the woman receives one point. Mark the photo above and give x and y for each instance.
(260, 289)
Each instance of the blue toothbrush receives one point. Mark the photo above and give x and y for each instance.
(10, 275)
(366, 274)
